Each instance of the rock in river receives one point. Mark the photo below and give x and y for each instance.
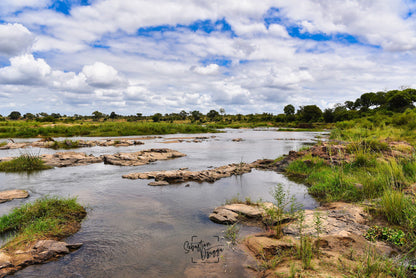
(141, 157)
(13, 194)
(177, 176)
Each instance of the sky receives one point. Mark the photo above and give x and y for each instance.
(245, 56)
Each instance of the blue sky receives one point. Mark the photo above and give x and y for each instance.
(78, 56)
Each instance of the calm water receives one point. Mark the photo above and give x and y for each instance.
(135, 230)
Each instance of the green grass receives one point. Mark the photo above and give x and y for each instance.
(24, 163)
(46, 218)
(23, 129)
(65, 144)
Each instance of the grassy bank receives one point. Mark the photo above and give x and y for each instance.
(24, 163)
(371, 160)
(46, 218)
(28, 129)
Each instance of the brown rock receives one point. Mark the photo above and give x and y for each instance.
(141, 157)
(158, 183)
(267, 246)
(13, 194)
(223, 216)
(5, 260)
(65, 159)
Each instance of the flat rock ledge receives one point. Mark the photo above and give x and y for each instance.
(65, 159)
(230, 214)
(50, 143)
(41, 252)
(9, 195)
(141, 157)
(178, 176)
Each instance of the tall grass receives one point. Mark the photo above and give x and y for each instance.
(48, 217)
(24, 163)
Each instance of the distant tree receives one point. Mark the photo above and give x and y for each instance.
(96, 115)
(157, 117)
(328, 115)
(212, 115)
(196, 115)
(349, 104)
(289, 110)
(309, 113)
(56, 115)
(222, 111)
(399, 100)
(183, 114)
(29, 116)
(15, 115)
(113, 115)
(368, 99)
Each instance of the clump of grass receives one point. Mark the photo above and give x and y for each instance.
(24, 163)
(398, 208)
(231, 233)
(3, 144)
(46, 218)
(66, 144)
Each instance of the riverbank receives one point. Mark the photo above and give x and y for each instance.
(366, 224)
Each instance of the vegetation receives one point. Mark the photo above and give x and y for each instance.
(24, 163)
(46, 218)
(231, 233)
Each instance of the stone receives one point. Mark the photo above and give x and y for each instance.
(223, 216)
(246, 210)
(13, 194)
(65, 159)
(141, 157)
(237, 139)
(53, 246)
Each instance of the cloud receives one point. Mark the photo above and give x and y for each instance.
(210, 69)
(100, 75)
(25, 70)
(14, 39)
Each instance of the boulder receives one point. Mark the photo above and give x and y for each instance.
(65, 159)
(223, 216)
(13, 194)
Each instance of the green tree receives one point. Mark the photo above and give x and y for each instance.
(196, 115)
(15, 115)
(96, 115)
(157, 117)
(29, 116)
(289, 110)
(309, 113)
(212, 115)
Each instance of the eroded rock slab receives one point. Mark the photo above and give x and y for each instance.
(141, 157)
(230, 214)
(178, 176)
(41, 252)
(13, 194)
(65, 159)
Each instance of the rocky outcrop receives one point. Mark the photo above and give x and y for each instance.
(141, 157)
(65, 159)
(13, 194)
(40, 252)
(237, 139)
(178, 176)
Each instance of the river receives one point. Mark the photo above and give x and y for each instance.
(136, 230)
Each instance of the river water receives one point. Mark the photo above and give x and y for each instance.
(136, 230)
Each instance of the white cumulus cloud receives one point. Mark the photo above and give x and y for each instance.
(14, 39)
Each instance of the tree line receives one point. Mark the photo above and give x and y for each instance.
(366, 104)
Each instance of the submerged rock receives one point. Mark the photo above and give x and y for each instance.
(13, 194)
(178, 176)
(141, 157)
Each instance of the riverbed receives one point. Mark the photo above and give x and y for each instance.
(136, 230)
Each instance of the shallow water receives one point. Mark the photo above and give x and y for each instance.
(135, 230)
